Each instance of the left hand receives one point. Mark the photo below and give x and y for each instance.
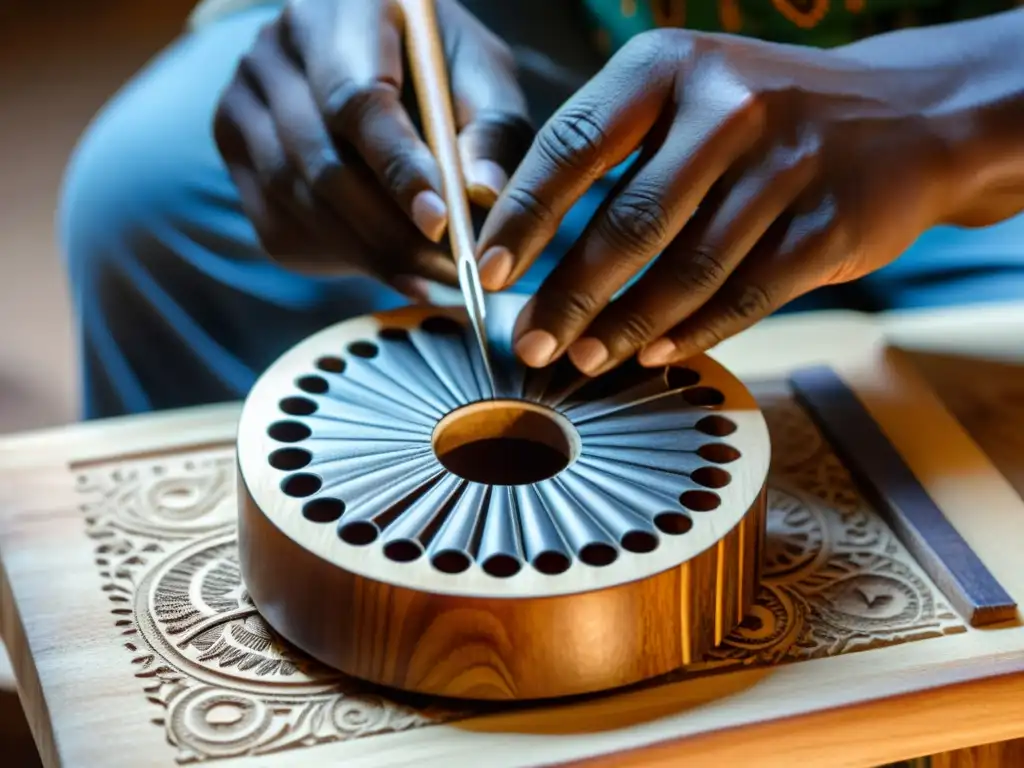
(764, 171)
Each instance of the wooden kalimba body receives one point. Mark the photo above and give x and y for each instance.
(406, 524)
(137, 641)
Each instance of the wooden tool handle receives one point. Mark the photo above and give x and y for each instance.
(430, 78)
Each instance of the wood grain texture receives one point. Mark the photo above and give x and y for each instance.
(853, 659)
(892, 486)
(400, 619)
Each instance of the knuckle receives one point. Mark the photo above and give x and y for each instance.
(634, 330)
(349, 104)
(527, 204)
(749, 301)
(401, 171)
(575, 307)
(701, 269)
(573, 140)
(636, 221)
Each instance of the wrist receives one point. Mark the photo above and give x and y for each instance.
(965, 81)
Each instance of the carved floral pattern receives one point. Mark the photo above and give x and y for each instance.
(836, 581)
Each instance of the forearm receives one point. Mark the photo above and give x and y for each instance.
(976, 100)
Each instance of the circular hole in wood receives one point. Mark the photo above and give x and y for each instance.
(505, 442)
(359, 533)
(677, 378)
(323, 510)
(394, 334)
(639, 542)
(442, 326)
(715, 426)
(700, 501)
(289, 459)
(298, 406)
(711, 477)
(402, 550)
(703, 397)
(301, 485)
(363, 349)
(314, 385)
(720, 453)
(673, 523)
(451, 561)
(551, 563)
(331, 364)
(289, 431)
(501, 566)
(598, 555)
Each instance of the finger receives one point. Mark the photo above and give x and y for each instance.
(352, 60)
(491, 112)
(351, 196)
(631, 228)
(245, 135)
(697, 264)
(598, 128)
(797, 255)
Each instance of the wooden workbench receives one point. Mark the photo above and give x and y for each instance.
(134, 642)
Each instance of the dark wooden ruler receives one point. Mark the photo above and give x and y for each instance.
(887, 482)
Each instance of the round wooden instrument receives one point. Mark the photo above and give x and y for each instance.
(405, 524)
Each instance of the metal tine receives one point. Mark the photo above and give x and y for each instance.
(578, 526)
(540, 533)
(617, 519)
(457, 533)
(372, 504)
(681, 462)
(476, 365)
(362, 384)
(332, 429)
(509, 373)
(418, 523)
(367, 414)
(653, 420)
(360, 448)
(449, 357)
(555, 383)
(401, 362)
(343, 468)
(500, 536)
(666, 482)
(635, 397)
(688, 440)
(643, 500)
(352, 490)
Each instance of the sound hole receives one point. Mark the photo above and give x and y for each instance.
(505, 442)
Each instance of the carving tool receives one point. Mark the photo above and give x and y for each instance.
(430, 78)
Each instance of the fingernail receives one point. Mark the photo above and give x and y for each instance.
(484, 181)
(495, 267)
(430, 214)
(535, 348)
(412, 287)
(588, 354)
(660, 352)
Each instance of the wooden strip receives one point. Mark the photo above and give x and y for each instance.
(891, 486)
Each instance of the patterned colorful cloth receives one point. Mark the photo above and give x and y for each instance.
(822, 23)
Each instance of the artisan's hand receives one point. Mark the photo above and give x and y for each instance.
(328, 162)
(799, 168)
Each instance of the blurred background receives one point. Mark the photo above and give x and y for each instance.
(60, 60)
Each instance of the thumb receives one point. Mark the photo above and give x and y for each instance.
(490, 108)
(491, 146)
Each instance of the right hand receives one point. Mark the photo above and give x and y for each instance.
(329, 165)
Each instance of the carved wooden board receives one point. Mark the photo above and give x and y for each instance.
(135, 642)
